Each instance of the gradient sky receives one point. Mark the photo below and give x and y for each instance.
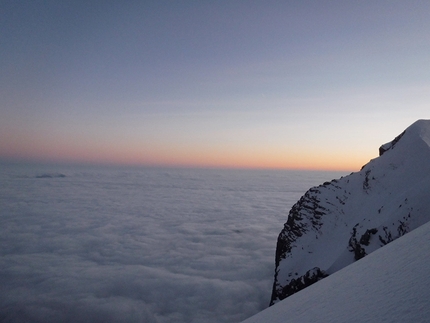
(285, 84)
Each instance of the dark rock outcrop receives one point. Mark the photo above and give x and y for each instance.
(296, 284)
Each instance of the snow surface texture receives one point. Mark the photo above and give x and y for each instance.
(101, 244)
(342, 221)
(390, 285)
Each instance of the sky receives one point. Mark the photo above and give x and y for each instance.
(253, 84)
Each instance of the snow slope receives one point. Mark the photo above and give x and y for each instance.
(342, 221)
(390, 285)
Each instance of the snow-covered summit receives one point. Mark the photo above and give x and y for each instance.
(417, 135)
(342, 221)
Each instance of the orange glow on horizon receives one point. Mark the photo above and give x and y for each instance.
(203, 155)
(221, 157)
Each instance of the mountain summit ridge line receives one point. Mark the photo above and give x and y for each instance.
(342, 221)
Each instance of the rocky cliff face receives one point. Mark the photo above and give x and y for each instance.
(342, 221)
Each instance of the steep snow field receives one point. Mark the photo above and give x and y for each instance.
(390, 285)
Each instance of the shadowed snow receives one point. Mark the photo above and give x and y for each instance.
(389, 285)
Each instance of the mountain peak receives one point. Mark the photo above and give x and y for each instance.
(417, 134)
(342, 221)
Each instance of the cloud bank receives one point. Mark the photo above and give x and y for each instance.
(110, 245)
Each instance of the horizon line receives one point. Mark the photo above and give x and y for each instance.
(84, 163)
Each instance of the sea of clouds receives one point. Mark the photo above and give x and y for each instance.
(87, 244)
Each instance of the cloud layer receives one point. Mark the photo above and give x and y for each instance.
(109, 245)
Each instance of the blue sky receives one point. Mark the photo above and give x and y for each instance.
(289, 84)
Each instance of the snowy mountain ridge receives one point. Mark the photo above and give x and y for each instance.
(342, 221)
